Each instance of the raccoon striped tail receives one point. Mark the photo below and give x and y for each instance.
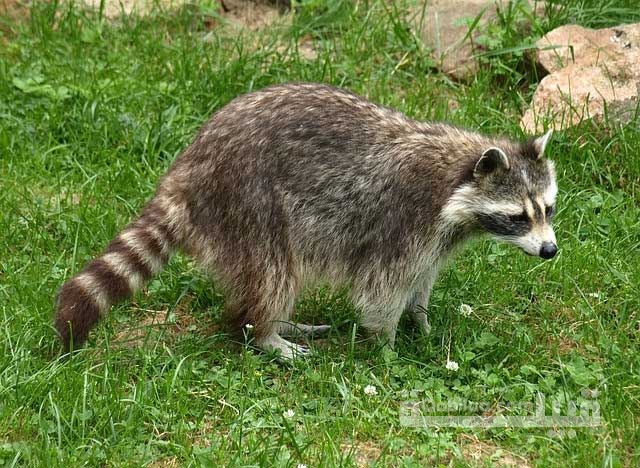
(139, 252)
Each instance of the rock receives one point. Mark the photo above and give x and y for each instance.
(444, 28)
(572, 44)
(593, 73)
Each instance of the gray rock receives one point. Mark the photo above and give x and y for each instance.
(593, 74)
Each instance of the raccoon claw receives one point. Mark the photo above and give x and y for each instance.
(294, 351)
(420, 317)
(425, 326)
(302, 329)
(288, 351)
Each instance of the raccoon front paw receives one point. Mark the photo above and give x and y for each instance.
(287, 350)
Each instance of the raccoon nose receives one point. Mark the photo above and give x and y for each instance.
(548, 250)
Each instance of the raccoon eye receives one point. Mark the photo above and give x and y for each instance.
(519, 218)
(549, 211)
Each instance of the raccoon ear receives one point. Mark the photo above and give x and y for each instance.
(491, 160)
(540, 143)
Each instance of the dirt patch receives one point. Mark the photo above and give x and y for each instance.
(252, 15)
(115, 8)
(566, 345)
(12, 12)
(243, 14)
(478, 452)
(364, 453)
(306, 48)
(180, 321)
(133, 336)
(256, 16)
(165, 463)
(211, 429)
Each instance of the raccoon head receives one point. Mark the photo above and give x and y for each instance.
(511, 195)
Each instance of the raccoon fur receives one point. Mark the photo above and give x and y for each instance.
(299, 183)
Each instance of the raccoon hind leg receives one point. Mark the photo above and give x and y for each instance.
(263, 297)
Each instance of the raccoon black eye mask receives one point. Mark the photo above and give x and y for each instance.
(304, 182)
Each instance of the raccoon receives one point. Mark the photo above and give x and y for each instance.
(300, 183)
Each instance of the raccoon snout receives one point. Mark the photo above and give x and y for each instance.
(548, 250)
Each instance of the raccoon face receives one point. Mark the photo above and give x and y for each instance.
(515, 197)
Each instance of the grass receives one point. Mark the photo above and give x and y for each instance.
(93, 111)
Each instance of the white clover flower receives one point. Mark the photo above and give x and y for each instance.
(248, 326)
(595, 295)
(465, 310)
(452, 365)
(289, 414)
(302, 465)
(370, 390)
